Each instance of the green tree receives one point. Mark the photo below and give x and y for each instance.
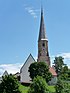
(64, 73)
(40, 69)
(62, 86)
(59, 63)
(69, 74)
(39, 85)
(59, 86)
(64, 69)
(9, 84)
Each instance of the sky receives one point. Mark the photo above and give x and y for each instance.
(19, 30)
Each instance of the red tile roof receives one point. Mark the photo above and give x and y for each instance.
(51, 69)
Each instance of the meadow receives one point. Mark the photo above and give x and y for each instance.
(24, 89)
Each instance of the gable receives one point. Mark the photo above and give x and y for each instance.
(27, 63)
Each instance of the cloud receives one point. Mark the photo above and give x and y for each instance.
(31, 11)
(11, 68)
(66, 57)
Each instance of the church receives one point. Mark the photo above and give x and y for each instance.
(43, 56)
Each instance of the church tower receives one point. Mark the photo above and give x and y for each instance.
(43, 54)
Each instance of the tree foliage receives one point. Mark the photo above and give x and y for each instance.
(9, 84)
(64, 69)
(39, 85)
(59, 63)
(65, 74)
(69, 74)
(40, 69)
(63, 83)
(62, 86)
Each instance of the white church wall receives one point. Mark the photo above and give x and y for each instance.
(24, 74)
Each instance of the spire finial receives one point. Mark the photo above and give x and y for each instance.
(41, 7)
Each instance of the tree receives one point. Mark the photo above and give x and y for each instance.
(59, 86)
(64, 69)
(39, 85)
(40, 69)
(58, 64)
(62, 86)
(64, 73)
(9, 84)
(69, 74)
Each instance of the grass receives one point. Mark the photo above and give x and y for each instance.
(51, 89)
(24, 89)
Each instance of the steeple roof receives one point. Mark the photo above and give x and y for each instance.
(42, 32)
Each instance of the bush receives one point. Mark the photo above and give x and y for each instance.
(62, 86)
(39, 85)
(9, 84)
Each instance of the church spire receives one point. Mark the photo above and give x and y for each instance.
(43, 54)
(42, 32)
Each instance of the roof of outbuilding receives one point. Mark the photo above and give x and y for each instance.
(51, 69)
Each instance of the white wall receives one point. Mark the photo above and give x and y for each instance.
(24, 74)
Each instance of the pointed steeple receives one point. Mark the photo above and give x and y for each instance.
(42, 32)
(43, 54)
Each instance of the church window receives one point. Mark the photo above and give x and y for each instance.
(43, 44)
